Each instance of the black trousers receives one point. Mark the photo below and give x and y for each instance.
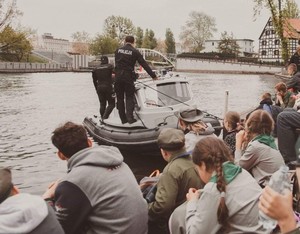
(124, 89)
(107, 102)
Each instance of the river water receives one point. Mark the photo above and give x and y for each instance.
(33, 105)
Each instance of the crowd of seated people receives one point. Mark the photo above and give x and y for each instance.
(209, 185)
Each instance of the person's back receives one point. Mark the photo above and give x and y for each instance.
(294, 83)
(100, 193)
(102, 75)
(22, 212)
(110, 189)
(228, 203)
(177, 177)
(256, 150)
(261, 160)
(190, 121)
(103, 83)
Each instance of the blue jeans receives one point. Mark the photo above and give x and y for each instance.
(287, 121)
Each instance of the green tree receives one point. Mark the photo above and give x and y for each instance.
(152, 39)
(81, 42)
(197, 29)
(279, 19)
(170, 42)
(117, 27)
(14, 44)
(228, 44)
(103, 44)
(139, 37)
(146, 40)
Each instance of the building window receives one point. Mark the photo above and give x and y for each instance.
(276, 52)
(263, 42)
(277, 42)
(270, 23)
(267, 32)
(213, 43)
(263, 52)
(273, 31)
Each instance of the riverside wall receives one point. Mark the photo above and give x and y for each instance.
(7, 67)
(215, 66)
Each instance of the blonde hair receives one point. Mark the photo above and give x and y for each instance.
(196, 127)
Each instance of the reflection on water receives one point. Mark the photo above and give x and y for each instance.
(33, 105)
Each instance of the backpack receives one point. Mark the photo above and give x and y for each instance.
(148, 186)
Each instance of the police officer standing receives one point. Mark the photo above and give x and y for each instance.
(102, 79)
(125, 59)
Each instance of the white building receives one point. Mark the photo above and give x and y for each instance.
(246, 46)
(47, 42)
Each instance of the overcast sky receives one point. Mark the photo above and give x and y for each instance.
(64, 17)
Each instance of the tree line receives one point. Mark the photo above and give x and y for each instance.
(15, 42)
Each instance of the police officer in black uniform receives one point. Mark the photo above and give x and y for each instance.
(125, 59)
(103, 82)
(295, 58)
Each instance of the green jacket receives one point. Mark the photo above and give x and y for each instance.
(178, 176)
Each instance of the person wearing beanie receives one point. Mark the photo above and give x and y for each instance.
(103, 83)
(125, 59)
(178, 176)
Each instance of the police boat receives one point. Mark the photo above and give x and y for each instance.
(156, 103)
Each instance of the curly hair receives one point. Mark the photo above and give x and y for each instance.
(70, 138)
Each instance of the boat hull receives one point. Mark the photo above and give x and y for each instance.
(133, 140)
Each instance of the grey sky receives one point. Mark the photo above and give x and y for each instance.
(64, 17)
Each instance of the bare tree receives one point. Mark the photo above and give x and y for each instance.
(117, 27)
(81, 42)
(198, 28)
(8, 12)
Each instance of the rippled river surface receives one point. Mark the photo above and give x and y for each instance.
(33, 105)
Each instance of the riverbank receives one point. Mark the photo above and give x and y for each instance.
(223, 67)
(182, 65)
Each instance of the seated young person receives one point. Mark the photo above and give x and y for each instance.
(284, 97)
(256, 150)
(99, 194)
(177, 177)
(228, 202)
(190, 121)
(22, 212)
(232, 124)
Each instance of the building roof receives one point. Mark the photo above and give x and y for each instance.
(292, 28)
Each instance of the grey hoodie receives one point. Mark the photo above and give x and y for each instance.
(25, 213)
(100, 195)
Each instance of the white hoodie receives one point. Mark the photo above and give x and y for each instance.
(22, 213)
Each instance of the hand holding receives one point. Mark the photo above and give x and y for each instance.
(278, 207)
(51, 190)
(193, 194)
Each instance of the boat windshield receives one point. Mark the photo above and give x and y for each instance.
(167, 94)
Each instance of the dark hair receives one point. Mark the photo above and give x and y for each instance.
(259, 122)
(213, 152)
(70, 138)
(5, 183)
(129, 39)
(104, 60)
